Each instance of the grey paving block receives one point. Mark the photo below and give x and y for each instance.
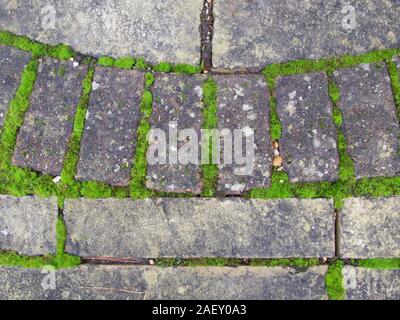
(243, 104)
(43, 138)
(158, 30)
(370, 284)
(257, 33)
(177, 106)
(28, 225)
(308, 144)
(153, 283)
(12, 63)
(370, 228)
(109, 140)
(199, 227)
(370, 123)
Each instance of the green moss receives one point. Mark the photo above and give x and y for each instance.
(380, 264)
(334, 281)
(186, 68)
(106, 61)
(210, 121)
(69, 187)
(149, 80)
(294, 262)
(141, 64)
(137, 185)
(163, 67)
(274, 122)
(61, 51)
(125, 63)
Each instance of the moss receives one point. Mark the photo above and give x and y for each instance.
(137, 185)
(63, 260)
(61, 51)
(186, 68)
(294, 262)
(380, 264)
(125, 63)
(106, 61)
(280, 188)
(274, 122)
(96, 189)
(149, 80)
(163, 67)
(210, 121)
(334, 281)
(141, 64)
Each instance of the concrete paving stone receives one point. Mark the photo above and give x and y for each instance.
(243, 104)
(257, 33)
(370, 228)
(42, 142)
(12, 64)
(177, 106)
(308, 144)
(370, 123)
(187, 228)
(370, 284)
(28, 225)
(153, 283)
(158, 30)
(109, 141)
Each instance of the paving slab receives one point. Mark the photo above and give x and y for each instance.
(176, 120)
(28, 225)
(109, 140)
(12, 64)
(257, 33)
(370, 284)
(243, 105)
(153, 283)
(370, 124)
(43, 139)
(370, 228)
(159, 30)
(188, 228)
(308, 144)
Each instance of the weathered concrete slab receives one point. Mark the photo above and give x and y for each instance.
(369, 284)
(256, 33)
(28, 225)
(12, 63)
(188, 228)
(370, 123)
(152, 283)
(43, 138)
(308, 144)
(109, 140)
(177, 106)
(370, 228)
(157, 30)
(243, 104)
